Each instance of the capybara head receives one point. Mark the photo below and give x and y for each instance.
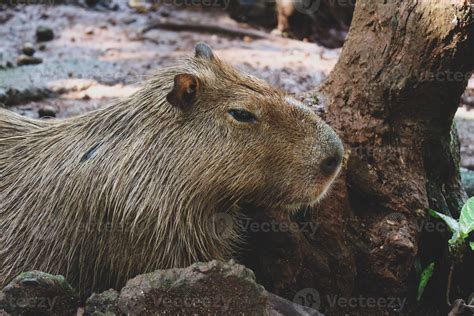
(257, 144)
(130, 188)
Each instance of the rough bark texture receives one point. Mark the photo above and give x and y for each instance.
(392, 97)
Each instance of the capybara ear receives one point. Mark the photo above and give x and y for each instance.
(184, 91)
(204, 51)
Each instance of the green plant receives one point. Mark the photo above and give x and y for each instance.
(461, 229)
(424, 278)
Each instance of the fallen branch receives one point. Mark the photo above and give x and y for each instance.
(460, 308)
(213, 29)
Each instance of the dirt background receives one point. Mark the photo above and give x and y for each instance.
(101, 53)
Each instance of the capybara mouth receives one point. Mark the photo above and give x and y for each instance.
(314, 197)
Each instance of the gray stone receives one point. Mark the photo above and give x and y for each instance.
(103, 304)
(44, 34)
(213, 288)
(23, 60)
(47, 111)
(38, 293)
(28, 49)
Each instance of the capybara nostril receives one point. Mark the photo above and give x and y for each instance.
(332, 163)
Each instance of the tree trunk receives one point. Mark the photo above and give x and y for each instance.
(392, 98)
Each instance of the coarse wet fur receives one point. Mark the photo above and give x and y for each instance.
(136, 186)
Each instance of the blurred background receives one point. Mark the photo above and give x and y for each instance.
(61, 58)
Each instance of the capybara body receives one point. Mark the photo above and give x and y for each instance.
(134, 186)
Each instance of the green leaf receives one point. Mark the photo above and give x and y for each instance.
(451, 222)
(425, 277)
(466, 220)
(453, 226)
(471, 244)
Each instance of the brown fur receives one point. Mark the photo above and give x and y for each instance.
(131, 187)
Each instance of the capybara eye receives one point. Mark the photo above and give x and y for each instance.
(242, 116)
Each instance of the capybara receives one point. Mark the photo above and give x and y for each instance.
(132, 187)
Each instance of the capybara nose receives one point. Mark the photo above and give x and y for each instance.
(331, 164)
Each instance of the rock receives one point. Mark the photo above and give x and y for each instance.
(24, 60)
(44, 34)
(103, 304)
(38, 293)
(213, 288)
(28, 49)
(13, 96)
(467, 177)
(47, 111)
(165, 14)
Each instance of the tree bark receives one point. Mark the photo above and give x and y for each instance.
(392, 98)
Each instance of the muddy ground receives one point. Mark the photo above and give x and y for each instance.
(101, 53)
